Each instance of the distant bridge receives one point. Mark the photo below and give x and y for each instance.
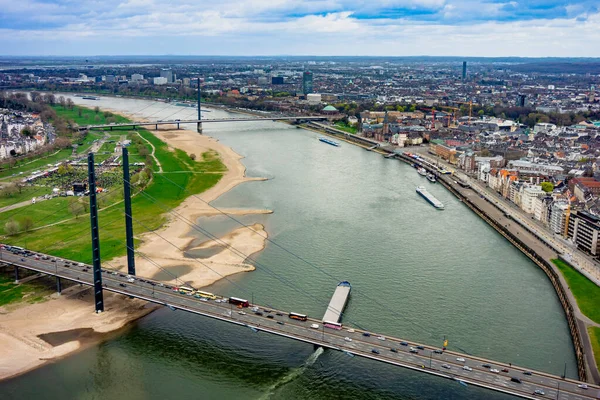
(178, 122)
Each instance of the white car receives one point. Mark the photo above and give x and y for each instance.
(80, 264)
(460, 359)
(467, 368)
(380, 337)
(351, 330)
(347, 339)
(582, 386)
(495, 371)
(241, 313)
(255, 309)
(315, 326)
(539, 391)
(130, 280)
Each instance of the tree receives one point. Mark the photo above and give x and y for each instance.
(62, 101)
(28, 131)
(50, 99)
(547, 187)
(96, 109)
(35, 96)
(70, 104)
(12, 227)
(75, 207)
(79, 112)
(193, 157)
(27, 224)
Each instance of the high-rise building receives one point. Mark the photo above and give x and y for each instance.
(136, 77)
(277, 80)
(464, 73)
(307, 82)
(521, 100)
(168, 74)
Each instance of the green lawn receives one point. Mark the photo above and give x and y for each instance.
(88, 116)
(71, 239)
(32, 165)
(11, 292)
(585, 291)
(344, 127)
(27, 193)
(595, 339)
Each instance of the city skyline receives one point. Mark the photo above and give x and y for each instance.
(383, 28)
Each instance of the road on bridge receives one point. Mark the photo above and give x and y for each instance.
(447, 364)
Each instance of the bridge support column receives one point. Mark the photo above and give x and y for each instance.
(128, 215)
(178, 125)
(16, 274)
(199, 127)
(156, 127)
(98, 295)
(58, 285)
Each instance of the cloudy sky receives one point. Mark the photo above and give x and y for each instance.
(534, 28)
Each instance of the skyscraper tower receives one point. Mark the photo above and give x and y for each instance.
(307, 82)
(464, 74)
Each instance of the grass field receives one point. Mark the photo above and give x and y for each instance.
(39, 163)
(595, 339)
(88, 116)
(585, 291)
(11, 292)
(346, 128)
(71, 238)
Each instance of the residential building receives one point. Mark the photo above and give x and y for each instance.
(528, 197)
(137, 77)
(160, 80)
(583, 231)
(558, 215)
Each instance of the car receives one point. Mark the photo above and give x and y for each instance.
(241, 313)
(374, 351)
(314, 326)
(539, 391)
(258, 313)
(130, 280)
(78, 264)
(167, 286)
(267, 311)
(351, 330)
(505, 370)
(122, 285)
(438, 351)
(270, 316)
(381, 337)
(53, 260)
(414, 351)
(347, 339)
(366, 334)
(494, 371)
(420, 347)
(279, 314)
(583, 386)
(281, 322)
(460, 359)
(254, 309)
(22, 259)
(515, 379)
(46, 257)
(445, 366)
(527, 373)
(467, 368)
(161, 285)
(122, 275)
(486, 365)
(394, 350)
(404, 343)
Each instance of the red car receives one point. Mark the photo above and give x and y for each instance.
(505, 370)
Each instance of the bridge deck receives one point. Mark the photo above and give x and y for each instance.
(360, 345)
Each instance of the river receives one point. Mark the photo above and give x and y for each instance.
(339, 214)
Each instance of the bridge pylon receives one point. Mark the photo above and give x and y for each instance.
(97, 269)
(128, 215)
(200, 127)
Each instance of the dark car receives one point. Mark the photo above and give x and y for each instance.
(505, 370)
(515, 379)
(280, 322)
(527, 373)
(258, 313)
(267, 311)
(367, 334)
(393, 350)
(438, 351)
(375, 351)
(270, 316)
(122, 275)
(168, 287)
(279, 314)
(404, 343)
(420, 347)
(122, 285)
(486, 365)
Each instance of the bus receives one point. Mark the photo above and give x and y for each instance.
(186, 290)
(239, 302)
(332, 325)
(207, 295)
(299, 317)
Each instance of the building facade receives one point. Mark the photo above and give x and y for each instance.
(583, 231)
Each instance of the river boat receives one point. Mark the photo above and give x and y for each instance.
(429, 197)
(431, 178)
(89, 98)
(422, 171)
(329, 141)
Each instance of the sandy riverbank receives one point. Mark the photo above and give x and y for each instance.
(67, 323)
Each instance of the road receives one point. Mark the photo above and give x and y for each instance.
(359, 343)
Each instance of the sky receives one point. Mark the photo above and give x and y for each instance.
(492, 28)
